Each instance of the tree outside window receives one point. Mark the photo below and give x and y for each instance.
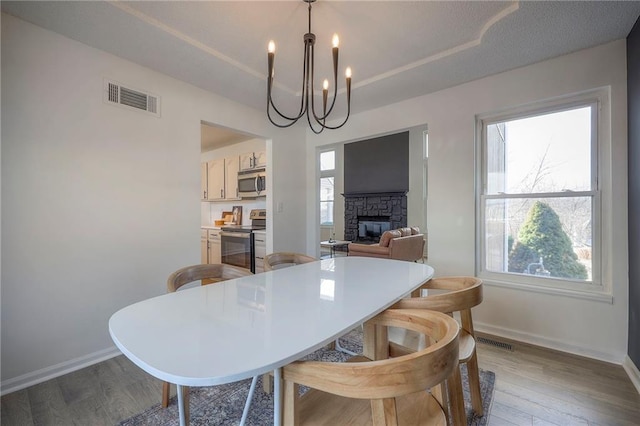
(539, 200)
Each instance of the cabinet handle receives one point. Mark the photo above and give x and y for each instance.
(251, 161)
(222, 193)
(205, 195)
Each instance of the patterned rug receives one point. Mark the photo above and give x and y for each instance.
(222, 405)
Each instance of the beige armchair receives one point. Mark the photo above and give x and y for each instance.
(402, 244)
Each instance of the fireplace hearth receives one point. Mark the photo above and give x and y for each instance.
(368, 215)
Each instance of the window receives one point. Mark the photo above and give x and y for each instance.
(327, 187)
(539, 204)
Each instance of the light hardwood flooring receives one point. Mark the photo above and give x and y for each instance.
(534, 386)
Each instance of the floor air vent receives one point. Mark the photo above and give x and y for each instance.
(117, 94)
(495, 343)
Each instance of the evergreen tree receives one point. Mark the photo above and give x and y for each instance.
(542, 237)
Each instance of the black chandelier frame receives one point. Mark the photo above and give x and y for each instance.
(307, 104)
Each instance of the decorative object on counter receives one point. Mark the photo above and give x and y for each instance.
(218, 222)
(227, 218)
(237, 215)
(307, 105)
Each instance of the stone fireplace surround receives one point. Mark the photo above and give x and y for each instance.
(376, 206)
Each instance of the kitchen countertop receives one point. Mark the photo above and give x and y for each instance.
(209, 227)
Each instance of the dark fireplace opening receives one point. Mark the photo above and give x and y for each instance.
(371, 228)
(387, 207)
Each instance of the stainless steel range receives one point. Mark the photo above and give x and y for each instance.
(237, 244)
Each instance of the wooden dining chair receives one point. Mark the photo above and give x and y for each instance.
(387, 391)
(460, 295)
(279, 260)
(207, 274)
(282, 259)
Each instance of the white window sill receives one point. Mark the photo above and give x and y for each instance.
(598, 296)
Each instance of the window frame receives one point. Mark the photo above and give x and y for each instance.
(329, 173)
(594, 289)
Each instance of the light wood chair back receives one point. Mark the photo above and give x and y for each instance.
(462, 294)
(207, 274)
(382, 392)
(280, 259)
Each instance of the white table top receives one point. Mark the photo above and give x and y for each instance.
(241, 328)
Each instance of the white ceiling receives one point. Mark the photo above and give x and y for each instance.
(397, 49)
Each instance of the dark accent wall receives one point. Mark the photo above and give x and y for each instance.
(377, 165)
(633, 111)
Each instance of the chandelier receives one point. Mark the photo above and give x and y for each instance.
(317, 122)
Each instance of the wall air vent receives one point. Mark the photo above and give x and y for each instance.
(117, 94)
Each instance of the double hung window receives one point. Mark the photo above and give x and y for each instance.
(327, 186)
(538, 201)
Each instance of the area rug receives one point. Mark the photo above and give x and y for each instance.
(222, 405)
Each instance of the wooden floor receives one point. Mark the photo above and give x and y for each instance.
(534, 386)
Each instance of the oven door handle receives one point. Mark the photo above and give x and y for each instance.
(236, 235)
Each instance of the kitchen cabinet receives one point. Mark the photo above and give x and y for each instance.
(253, 160)
(215, 251)
(231, 168)
(204, 246)
(219, 179)
(215, 179)
(203, 182)
(210, 246)
(260, 248)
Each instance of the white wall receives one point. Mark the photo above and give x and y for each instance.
(592, 328)
(101, 203)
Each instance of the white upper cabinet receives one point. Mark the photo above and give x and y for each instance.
(253, 160)
(231, 166)
(219, 179)
(203, 181)
(260, 159)
(215, 180)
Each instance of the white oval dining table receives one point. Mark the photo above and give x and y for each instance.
(242, 328)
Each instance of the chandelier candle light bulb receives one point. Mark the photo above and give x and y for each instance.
(325, 93)
(307, 104)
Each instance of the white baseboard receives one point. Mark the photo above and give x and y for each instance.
(47, 373)
(632, 372)
(545, 342)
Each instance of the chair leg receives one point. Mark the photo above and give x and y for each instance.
(267, 383)
(383, 412)
(291, 408)
(185, 398)
(474, 384)
(458, 416)
(165, 394)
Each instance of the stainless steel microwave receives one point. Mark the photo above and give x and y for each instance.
(252, 183)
